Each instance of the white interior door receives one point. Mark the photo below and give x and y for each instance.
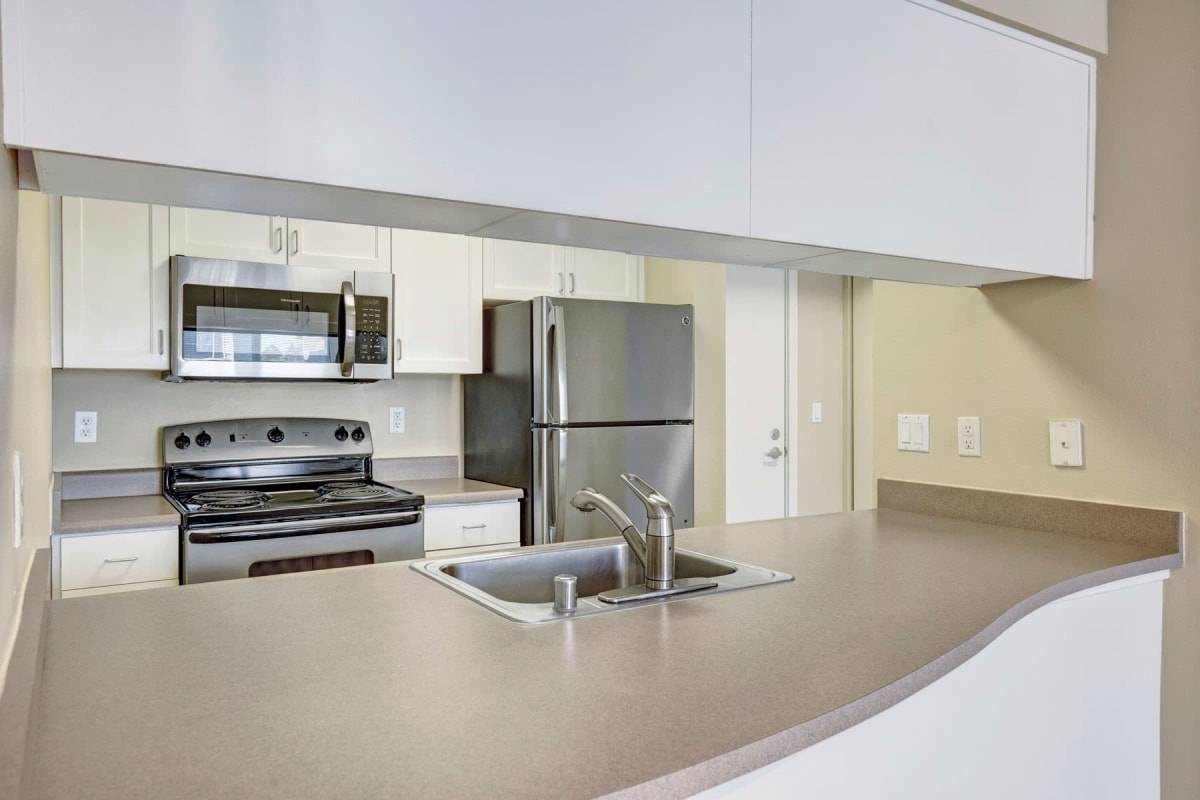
(756, 396)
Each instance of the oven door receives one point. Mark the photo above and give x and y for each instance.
(247, 551)
(239, 320)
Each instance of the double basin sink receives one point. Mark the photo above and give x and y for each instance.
(519, 584)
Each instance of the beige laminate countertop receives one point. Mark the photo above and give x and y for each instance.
(115, 513)
(453, 491)
(377, 682)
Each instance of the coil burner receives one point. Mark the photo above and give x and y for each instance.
(230, 499)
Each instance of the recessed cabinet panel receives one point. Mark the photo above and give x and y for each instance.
(439, 304)
(603, 275)
(913, 129)
(312, 243)
(223, 234)
(114, 285)
(521, 270)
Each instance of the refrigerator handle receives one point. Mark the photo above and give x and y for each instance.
(555, 460)
(558, 359)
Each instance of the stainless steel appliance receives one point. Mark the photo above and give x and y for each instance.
(288, 494)
(240, 320)
(573, 394)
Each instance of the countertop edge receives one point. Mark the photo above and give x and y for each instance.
(735, 763)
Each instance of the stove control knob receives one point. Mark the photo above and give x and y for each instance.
(358, 435)
(182, 441)
(340, 434)
(275, 435)
(203, 439)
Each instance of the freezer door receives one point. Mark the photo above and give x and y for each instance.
(597, 361)
(569, 459)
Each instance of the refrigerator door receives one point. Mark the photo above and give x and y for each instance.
(597, 361)
(569, 459)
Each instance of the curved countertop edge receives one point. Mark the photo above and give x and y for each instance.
(735, 763)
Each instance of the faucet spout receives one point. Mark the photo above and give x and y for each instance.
(591, 500)
(656, 548)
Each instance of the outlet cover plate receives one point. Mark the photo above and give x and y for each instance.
(969, 437)
(1066, 443)
(85, 427)
(396, 419)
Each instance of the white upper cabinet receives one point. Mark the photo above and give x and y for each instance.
(439, 303)
(603, 274)
(225, 235)
(521, 270)
(278, 240)
(114, 285)
(913, 129)
(312, 243)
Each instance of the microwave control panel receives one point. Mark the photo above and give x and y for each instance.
(371, 342)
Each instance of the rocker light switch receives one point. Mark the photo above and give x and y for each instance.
(912, 432)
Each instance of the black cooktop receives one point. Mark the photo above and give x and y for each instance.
(304, 500)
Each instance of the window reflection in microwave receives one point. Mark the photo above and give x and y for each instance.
(260, 335)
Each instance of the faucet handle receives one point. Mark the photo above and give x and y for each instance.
(657, 505)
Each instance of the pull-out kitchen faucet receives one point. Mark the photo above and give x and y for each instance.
(655, 549)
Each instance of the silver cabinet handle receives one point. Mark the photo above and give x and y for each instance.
(774, 452)
(572, 283)
(277, 239)
(399, 348)
(120, 560)
(474, 527)
(562, 287)
(160, 341)
(296, 241)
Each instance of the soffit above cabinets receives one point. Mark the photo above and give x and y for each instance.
(635, 127)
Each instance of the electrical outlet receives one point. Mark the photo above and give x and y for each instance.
(85, 426)
(396, 419)
(969, 437)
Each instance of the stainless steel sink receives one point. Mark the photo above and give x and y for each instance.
(519, 584)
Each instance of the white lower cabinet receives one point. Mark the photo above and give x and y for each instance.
(113, 561)
(472, 527)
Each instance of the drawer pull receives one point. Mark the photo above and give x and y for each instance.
(120, 560)
(474, 527)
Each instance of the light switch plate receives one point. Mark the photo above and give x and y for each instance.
(816, 412)
(912, 432)
(969, 437)
(1066, 443)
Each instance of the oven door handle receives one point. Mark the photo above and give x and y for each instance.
(350, 331)
(280, 530)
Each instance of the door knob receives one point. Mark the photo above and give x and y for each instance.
(774, 452)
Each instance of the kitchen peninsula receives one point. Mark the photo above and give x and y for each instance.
(377, 682)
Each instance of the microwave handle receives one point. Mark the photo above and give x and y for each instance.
(350, 333)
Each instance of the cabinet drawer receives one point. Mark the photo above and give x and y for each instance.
(472, 525)
(120, 557)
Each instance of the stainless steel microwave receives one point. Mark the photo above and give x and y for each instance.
(237, 320)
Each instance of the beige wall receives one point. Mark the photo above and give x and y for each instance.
(702, 285)
(1083, 23)
(1121, 352)
(133, 407)
(24, 389)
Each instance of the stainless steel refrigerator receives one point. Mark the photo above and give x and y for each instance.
(575, 392)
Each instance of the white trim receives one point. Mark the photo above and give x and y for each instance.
(10, 638)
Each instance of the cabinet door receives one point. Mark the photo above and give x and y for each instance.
(439, 303)
(603, 275)
(312, 243)
(114, 285)
(225, 234)
(521, 270)
(890, 127)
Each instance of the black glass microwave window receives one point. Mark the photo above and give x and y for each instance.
(260, 325)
